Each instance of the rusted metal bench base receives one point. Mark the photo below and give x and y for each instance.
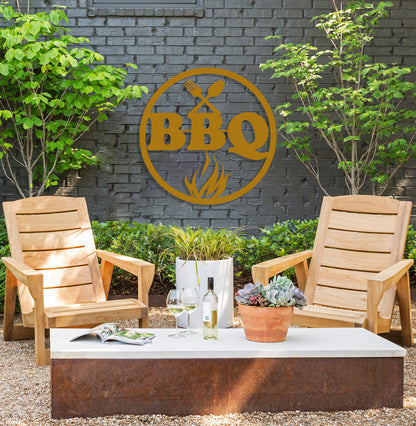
(101, 387)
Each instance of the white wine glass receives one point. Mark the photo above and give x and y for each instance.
(189, 298)
(175, 307)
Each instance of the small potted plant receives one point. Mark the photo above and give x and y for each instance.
(266, 310)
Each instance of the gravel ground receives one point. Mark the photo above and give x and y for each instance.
(25, 395)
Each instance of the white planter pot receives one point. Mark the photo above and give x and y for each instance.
(222, 271)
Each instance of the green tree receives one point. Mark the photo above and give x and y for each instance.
(362, 110)
(51, 92)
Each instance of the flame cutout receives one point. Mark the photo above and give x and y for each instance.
(214, 185)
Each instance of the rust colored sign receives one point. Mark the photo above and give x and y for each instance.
(216, 128)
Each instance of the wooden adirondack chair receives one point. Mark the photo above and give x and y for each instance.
(356, 266)
(54, 268)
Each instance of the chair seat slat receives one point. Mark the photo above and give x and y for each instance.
(366, 204)
(49, 222)
(69, 295)
(64, 277)
(53, 259)
(355, 260)
(343, 278)
(340, 298)
(361, 222)
(349, 240)
(54, 240)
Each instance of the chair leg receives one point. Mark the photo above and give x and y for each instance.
(144, 322)
(12, 331)
(20, 332)
(403, 295)
(144, 283)
(374, 294)
(9, 305)
(42, 354)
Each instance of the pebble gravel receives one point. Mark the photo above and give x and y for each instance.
(25, 395)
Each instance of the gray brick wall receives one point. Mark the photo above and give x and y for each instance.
(227, 34)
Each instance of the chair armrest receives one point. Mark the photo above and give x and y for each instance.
(263, 271)
(389, 277)
(379, 284)
(129, 264)
(144, 271)
(25, 274)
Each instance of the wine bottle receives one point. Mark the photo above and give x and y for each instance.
(209, 312)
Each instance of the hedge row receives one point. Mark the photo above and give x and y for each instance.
(151, 242)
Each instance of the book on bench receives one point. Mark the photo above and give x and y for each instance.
(112, 332)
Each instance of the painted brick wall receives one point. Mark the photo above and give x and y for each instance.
(227, 34)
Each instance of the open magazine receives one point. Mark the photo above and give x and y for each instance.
(111, 331)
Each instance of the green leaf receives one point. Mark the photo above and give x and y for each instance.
(79, 103)
(37, 121)
(77, 84)
(4, 69)
(19, 54)
(351, 138)
(8, 13)
(34, 28)
(27, 123)
(9, 56)
(6, 114)
(55, 17)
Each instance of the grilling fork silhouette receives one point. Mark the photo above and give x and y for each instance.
(214, 90)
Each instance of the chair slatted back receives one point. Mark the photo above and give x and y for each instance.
(53, 235)
(357, 236)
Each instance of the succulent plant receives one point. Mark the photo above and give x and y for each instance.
(279, 292)
(249, 291)
(282, 292)
(299, 297)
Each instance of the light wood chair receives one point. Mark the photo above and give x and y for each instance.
(54, 269)
(356, 266)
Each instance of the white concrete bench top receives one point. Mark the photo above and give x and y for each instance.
(231, 343)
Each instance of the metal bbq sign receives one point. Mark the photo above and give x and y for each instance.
(208, 136)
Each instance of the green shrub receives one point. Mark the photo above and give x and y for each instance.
(276, 240)
(410, 247)
(139, 240)
(4, 251)
(149, 242)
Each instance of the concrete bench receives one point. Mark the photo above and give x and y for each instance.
(313, 370)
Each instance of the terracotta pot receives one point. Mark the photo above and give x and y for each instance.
(265, 324)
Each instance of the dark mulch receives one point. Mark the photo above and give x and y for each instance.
(127, 285)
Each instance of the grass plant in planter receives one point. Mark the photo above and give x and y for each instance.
(203, 253)
(266, 311)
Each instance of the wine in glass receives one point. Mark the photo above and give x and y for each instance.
(175, 307)
(189, 298)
